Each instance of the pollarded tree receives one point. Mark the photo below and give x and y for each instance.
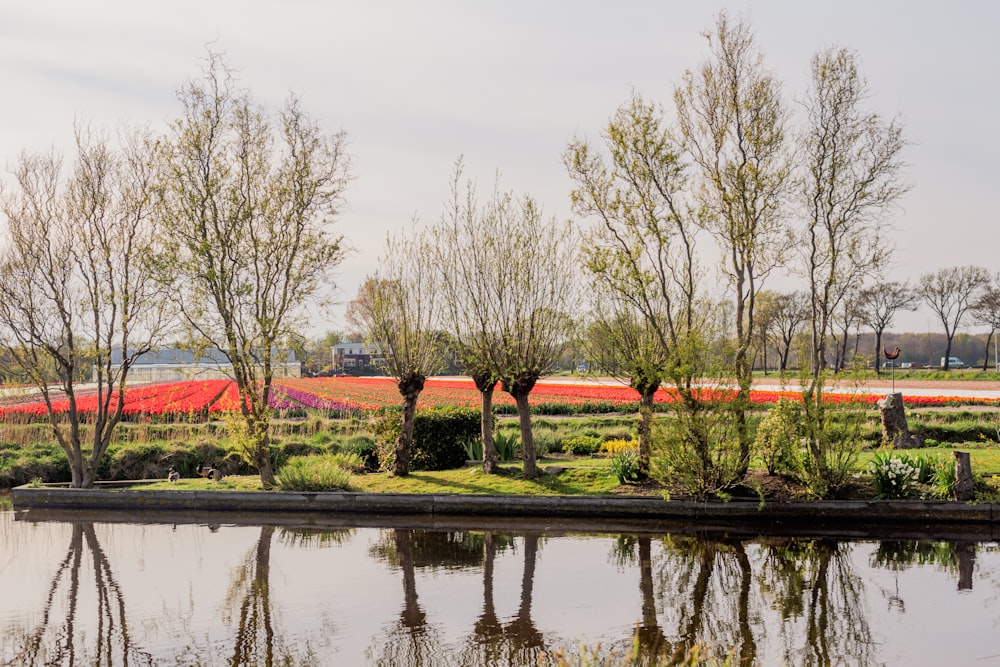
(951, 292)
(77, 286)
(397, 312)
(732, 123)
(532, 307)
(466, 259)
(640, 254)
(986, 311)
(247, 201)
(849, 179)
(878, 305)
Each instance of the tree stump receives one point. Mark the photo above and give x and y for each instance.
(895, 431)
(963, 477)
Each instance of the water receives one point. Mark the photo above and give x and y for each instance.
(275, 590)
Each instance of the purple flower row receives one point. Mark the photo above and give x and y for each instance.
(284, 398)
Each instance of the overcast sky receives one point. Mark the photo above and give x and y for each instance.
(506, 85)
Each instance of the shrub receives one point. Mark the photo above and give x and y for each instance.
(778, 438)
(364, 447)
(315, 473)
(439, 437)
(581, 445)
(892, 476)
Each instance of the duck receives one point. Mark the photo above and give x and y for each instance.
(173, 475)
(211, 473)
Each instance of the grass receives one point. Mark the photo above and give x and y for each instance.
(593, 478)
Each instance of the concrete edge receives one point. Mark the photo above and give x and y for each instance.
(589, 507)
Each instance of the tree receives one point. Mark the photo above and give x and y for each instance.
(986, 311)
(536, 295)
(77, 287)
(247, 202)
(640, 253)
(878, 305)
(950, 293)
(397, 311)
(466, 260)
(782, 314)
(850, 178)
(732, 122)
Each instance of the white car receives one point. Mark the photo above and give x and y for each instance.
(953, 362)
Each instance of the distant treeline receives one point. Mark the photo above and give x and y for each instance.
(916, 348)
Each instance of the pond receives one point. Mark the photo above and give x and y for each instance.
(262, 590)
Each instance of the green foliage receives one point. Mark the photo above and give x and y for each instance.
(697, 452)
(778, 437)
(506, 445)
(329, 472)
(439, 437)
(581, 445)
(364, 446)
(892, 476)
(625, 466)
(474, 449)
(943, 481)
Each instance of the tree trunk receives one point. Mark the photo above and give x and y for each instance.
(963, 477)
(401, 465)
(645, 428)
(986, 356)
(489, 446)
(895, 430)
(527, 438)
(878, 352)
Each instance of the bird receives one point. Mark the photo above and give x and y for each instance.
(211, 473)
(173, 475)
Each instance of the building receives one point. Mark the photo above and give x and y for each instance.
(173, 364)
(353, 357)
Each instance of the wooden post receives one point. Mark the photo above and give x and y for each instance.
(963, 477)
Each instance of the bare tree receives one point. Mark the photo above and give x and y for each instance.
(640, 252)
(878, 305)
(986, 311)
(466, 260)
(848, 182)
(397, 311)
(247, 204)
(782, 316)
(535, 299)
(950, 293)
(77, 286)
(732, 122)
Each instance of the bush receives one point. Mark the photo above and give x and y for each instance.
(315, 473)
(581, 445)
(364, 447)
(439, 437)
(778, 438)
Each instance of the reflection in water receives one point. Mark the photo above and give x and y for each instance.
(421, 597)
(57, 639)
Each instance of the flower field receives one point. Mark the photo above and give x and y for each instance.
(195, 399)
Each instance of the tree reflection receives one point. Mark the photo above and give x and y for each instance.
(67, 641)
(958, 556)
(525, 643)
(410, 641)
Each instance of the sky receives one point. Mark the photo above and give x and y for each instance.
(506, 85)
